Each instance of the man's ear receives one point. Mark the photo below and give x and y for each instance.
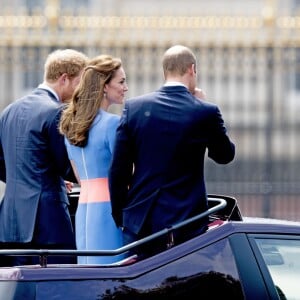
(63, 78)
(192, 69)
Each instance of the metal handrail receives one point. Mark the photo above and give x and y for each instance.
(43, 253)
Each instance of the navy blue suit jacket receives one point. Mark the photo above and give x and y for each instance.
(33, 163)
(156, 177)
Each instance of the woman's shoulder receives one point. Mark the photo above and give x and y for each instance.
(108, 116)
(106, 120)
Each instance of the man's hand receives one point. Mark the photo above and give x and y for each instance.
(69, 186)
(199, 93)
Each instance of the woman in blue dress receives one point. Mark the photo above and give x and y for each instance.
(89, 131)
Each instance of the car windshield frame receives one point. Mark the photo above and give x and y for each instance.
(279, 264)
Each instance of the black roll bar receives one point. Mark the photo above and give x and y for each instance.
(221, 204)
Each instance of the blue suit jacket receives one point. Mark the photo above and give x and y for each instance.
(156, 177)
(33, 162)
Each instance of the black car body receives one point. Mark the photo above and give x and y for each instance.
(237, 258)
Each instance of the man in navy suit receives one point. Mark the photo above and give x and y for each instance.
(34, 163)
(156, 177)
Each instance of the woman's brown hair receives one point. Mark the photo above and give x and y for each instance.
(80, 112)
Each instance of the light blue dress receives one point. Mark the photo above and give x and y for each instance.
(94, 226)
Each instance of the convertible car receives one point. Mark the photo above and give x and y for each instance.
(236, 258)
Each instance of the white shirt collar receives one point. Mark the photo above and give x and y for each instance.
(46, 87)
(174, 83)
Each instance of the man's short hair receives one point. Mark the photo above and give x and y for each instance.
(177, 60)
(67, 61)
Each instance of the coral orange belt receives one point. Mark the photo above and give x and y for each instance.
(94, 190)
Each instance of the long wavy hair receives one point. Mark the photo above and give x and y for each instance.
(79, 114)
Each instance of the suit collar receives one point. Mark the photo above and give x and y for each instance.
(179, 87)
